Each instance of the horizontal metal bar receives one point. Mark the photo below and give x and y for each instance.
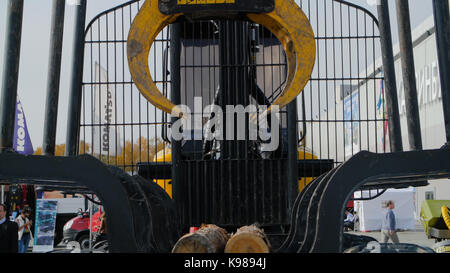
(347, 37)
(117, 82)
(232, 65)
(347, 79)
(340, 121)
(118, 41)
(123, 124)
(306, 168)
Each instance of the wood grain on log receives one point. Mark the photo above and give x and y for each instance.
(248, 239)
(208, 239)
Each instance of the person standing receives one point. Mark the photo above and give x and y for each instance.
(24, 230)
(348, 222)
(101, 235)
(388, 230)
(8, 233)
(355, 221)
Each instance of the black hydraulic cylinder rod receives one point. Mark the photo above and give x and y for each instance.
(409, 75)
(292, 189)
(395, 134)
(175, 95)
(442, 24)
(73, 120)
(8, 99)
(53, 78)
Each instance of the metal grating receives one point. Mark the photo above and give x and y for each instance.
(343, 108)
(340, 111)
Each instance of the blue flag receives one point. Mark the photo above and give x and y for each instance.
(22, 142)
(380, 100)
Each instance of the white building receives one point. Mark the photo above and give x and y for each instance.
(361, 99)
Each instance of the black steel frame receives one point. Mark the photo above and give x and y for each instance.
(335, 43)
(141, 216)
(73, 117)
(317, 217)
(442, 23)
(349, 30)
(10, 74)
(53, 78)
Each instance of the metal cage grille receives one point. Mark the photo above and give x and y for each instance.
(340, 111)
(131, 126)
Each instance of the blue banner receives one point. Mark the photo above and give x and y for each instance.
(44, 230)
(22, 141)
(351, 124)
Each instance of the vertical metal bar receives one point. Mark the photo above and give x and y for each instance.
(73, 120)
(409, 75)
(53, 77)
(3, 195)
(11, 60)
(90, 223)
(292, 189)
(395, 134)
(442, 24)
(175, 94)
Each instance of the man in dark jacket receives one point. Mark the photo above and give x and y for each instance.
(8, 233)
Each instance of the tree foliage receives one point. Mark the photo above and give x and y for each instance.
(143, 150)
(60, 149)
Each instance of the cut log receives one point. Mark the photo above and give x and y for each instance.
(208, 239)
(248, 239)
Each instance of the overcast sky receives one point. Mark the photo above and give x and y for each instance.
(35, 52)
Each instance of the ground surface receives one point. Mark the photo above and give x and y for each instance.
(416, 236)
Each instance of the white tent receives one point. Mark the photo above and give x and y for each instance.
(371, 212)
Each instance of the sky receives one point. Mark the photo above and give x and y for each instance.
(35, 52)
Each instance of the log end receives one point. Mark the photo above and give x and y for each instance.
(246, 242)
(208, 239)
(194, 243)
